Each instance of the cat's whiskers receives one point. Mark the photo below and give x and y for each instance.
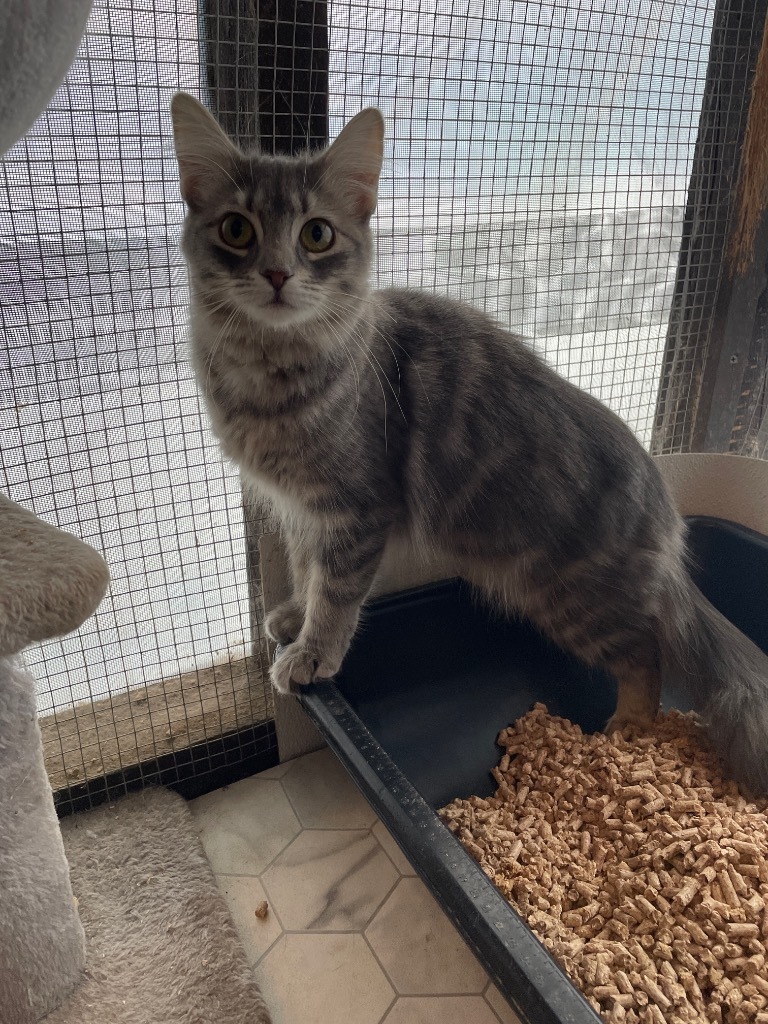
(325, 318)
(360, 312)
(365, 352)
(341, 308)
(415, 365)
(372, 326)
(219, 167)
(391, 385)
(390, 341)
(373, 362)
(364, 299)
(228, 324)
(208, 365)
(361, 316)
(216, 307)
(356, 374)
(323, 176)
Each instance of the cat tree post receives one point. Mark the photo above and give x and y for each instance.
(42, 946)
(51, 584)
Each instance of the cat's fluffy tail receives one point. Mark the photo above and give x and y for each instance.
(726, 677)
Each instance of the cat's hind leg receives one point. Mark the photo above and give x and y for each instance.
(592, 616)
(638, 700)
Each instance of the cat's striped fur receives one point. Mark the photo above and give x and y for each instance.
(363, 414)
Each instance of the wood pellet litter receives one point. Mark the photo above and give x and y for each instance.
(639, 867)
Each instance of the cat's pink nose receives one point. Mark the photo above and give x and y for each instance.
(277, 277)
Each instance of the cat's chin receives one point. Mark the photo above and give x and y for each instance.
(279, 317)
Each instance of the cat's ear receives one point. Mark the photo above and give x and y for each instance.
(203, 151)
(354, 160)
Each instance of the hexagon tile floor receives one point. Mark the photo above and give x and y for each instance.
(351, 936)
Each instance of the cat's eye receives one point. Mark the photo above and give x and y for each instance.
(237, 231)
(317, 236)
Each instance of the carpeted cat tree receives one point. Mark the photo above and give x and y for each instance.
(50, 582)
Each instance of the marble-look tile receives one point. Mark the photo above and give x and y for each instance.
(323, 979)
(329, 881)
(277, 771)
(243, 827)
(323, 794)
(441, 1010)
(503, 1010)
(392, 850)
(243, 894)
(420, 950)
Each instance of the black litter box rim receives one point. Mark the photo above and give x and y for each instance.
(527, 975)
(524, 971)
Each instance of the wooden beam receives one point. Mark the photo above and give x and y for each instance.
(267, 71)
(715, 338)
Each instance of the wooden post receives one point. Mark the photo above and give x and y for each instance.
(292, 60)
(267, 71)
(716, 341)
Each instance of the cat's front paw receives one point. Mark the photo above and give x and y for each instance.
(284, 624)
(298, 666)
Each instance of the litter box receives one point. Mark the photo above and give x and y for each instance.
(430, 681)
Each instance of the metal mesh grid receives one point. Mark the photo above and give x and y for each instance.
(712, 394)
(100, 426)
(547, 152)
(537, 164)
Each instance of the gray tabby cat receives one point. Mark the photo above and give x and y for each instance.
(361, 415)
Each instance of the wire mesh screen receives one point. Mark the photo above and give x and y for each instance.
(713, 384)
(537, 164)
(540, 166)
(102, 431)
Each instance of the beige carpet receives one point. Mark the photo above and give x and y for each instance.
(161, 947)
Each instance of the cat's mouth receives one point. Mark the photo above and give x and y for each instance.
(280, 312)
(279, 306)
